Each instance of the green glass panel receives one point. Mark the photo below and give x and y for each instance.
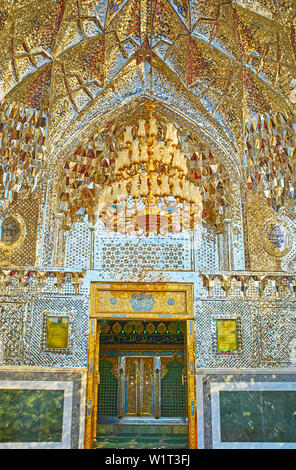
(57, 332)
(173, 391)
(226, 335)
(258, 416)
(31, 415)
(107, 391)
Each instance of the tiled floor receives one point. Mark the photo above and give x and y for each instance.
(141, 437)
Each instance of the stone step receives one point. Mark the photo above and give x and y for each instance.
(132, 429)
(141, 441)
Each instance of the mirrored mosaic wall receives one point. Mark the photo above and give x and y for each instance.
(25, 324)
(261, 332)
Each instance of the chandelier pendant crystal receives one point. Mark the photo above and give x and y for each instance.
(151, 192)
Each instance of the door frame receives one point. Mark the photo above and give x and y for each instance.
(98, 312)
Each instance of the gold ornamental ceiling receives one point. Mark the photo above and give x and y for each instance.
(68, 67)
(58, 56)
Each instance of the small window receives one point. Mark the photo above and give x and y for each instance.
(227, 336)
(56, 333)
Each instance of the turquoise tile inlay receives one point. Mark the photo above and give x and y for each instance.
(142, 302)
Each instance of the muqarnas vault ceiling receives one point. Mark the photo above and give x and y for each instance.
(73, 72)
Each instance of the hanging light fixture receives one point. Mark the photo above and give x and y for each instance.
(151, 192)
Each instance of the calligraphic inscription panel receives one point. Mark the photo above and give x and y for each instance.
(126, 301)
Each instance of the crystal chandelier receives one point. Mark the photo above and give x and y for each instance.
(151, 193)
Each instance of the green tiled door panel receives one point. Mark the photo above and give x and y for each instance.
(258, 416)
(31, 415)
(173, 391)
(107, 391)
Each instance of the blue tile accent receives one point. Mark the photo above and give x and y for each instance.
(142, 302)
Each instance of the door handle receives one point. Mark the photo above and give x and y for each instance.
(120, 392)
(157, 414)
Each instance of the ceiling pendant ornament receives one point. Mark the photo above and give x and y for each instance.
(270, 156)
(151, 192)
